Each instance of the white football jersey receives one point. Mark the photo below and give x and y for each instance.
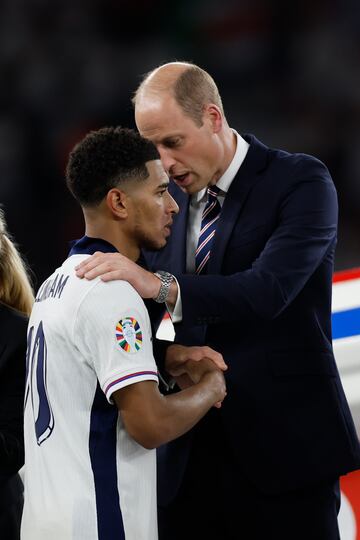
(85, 478)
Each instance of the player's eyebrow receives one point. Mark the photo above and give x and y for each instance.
(164, 185)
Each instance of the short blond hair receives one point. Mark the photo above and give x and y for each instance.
(15, 284)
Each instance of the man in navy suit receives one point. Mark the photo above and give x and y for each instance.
(266, 464)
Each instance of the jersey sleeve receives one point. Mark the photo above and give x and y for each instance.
(112, 329)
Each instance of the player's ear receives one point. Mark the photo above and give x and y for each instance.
(116, 201)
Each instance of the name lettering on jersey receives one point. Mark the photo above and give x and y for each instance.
(52, 287)
(129, 335)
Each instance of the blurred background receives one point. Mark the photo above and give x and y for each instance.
(289, 72)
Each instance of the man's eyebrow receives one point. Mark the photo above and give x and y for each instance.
(170, 137)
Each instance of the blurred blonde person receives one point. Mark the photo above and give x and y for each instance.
(16, 300)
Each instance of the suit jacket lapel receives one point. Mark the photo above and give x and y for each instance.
(248, 174)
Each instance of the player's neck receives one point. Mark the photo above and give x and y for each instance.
(114, 236)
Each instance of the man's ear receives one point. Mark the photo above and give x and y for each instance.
(213, 114)
(116, 201)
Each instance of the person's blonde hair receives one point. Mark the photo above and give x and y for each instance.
(15, 285)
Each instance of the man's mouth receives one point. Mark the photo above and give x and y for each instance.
(181, 179)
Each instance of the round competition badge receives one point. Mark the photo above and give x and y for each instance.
(128, 335)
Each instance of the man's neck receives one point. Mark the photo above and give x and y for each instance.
(230, 147)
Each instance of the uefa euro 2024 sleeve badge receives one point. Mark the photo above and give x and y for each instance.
(129, 335)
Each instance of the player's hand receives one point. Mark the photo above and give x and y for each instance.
(188, 364)
(111, 266)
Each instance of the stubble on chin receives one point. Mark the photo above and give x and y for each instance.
(152, 244)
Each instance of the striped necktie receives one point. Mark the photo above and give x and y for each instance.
(209, 219)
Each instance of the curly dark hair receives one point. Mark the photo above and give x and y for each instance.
(105, 159)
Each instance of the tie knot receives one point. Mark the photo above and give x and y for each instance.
(212, 192)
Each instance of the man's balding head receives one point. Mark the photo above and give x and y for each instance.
(192, 88)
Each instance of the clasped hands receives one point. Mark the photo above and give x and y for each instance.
(188, 365)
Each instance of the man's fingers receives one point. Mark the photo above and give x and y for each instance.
(81, 272)
(92, 271)
(100, 270)
(216, 357)
(86, 266)
(219, 362)
(82, 268)
(180, 354)
(210, 354)
(111, 276)
(95, 260)
(90, 259)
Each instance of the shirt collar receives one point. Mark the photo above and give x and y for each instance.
(226, 179)
(88, 245)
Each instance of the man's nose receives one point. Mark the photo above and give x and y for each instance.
(167, 159)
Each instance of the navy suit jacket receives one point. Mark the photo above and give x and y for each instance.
(265, 304)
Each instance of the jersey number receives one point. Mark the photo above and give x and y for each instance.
(36, 389)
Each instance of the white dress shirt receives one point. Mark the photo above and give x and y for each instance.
(197, 204)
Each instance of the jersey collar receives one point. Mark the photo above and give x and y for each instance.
(88, 245)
